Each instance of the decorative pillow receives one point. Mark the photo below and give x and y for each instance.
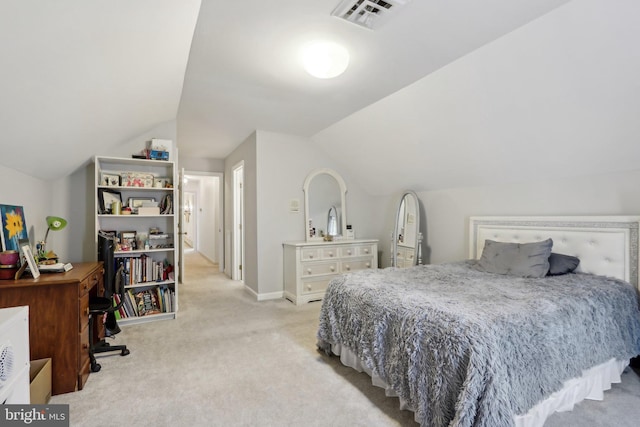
(562, 264)
(516, 259)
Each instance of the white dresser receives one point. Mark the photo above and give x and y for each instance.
(310, 266)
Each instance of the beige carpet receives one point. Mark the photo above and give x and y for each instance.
(228, 360)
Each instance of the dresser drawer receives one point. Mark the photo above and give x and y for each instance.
(310, 254)
(328, 253)
(366, 249)
(357, 251)
(310, 286)
(348, 266)
(315, 268)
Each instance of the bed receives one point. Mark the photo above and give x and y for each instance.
(465, 347)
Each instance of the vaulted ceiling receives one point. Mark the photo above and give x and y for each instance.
(80, 76)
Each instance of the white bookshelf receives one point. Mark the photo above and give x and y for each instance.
(166, 222)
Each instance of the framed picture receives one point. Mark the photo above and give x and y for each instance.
(105, 198)
(128, 241)
(162, 182)
(110, 179)
(31, 261)
(14, 227)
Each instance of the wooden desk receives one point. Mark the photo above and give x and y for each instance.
(58, 319)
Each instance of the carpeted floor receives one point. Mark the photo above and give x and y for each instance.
(228, 360)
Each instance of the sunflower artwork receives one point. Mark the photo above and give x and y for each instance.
(14, 227)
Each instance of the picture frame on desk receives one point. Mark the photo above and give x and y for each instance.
(107, 196)
(25, 248)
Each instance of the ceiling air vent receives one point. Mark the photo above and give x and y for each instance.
(367, 13)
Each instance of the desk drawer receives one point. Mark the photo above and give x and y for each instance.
(84, 311)
(83, 357)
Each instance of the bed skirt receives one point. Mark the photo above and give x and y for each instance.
(591, 385)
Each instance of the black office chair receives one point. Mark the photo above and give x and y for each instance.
(98, 306)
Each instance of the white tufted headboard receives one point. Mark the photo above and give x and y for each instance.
(606, 245)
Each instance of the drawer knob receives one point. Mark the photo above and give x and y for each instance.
(308, 271)
(330, 254)
(348, 267)
(308, 287)
(310, 256)
(368, 265)
(349, 252)
(366, 250)
(332, 268)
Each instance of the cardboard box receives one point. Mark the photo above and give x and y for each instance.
(40, 377)
(148, 210)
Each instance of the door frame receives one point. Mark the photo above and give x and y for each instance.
(237, 260)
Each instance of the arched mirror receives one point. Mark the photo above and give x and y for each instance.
(407, 239)
(324, 205)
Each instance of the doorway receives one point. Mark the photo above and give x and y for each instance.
(202, 218)
(190, 219)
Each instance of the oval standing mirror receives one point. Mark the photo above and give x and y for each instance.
(406, 238)
(324, 205)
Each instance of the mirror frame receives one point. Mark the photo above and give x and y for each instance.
(343, 201)
(417, 260)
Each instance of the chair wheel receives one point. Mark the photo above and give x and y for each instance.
(125, 352)
(95, 367)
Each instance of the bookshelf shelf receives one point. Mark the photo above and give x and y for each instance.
(148, 274)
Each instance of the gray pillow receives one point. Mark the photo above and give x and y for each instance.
(516, 259)
(562, 264)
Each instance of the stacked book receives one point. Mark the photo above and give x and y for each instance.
(145, 302)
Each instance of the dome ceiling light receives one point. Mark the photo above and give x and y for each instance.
(325, 60)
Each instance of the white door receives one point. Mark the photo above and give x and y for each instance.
(178, 238)
(238, 222)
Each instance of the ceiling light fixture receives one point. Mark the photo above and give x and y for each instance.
(325, 60)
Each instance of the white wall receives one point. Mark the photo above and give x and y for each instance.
(244, 152)
(209, 222)
(35, 196)
(284, 161)
(448, 211)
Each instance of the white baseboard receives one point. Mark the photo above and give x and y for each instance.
(266, 296)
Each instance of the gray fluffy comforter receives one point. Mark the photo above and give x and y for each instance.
(467, 348)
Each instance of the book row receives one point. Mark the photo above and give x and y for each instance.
(144, 302)
(143, 268)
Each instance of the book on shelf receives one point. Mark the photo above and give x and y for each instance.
(144, 302)
(143, 269)
(147, 302)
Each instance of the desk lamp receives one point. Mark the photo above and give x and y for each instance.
(54, 223)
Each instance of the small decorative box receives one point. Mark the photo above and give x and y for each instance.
(136, 179)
